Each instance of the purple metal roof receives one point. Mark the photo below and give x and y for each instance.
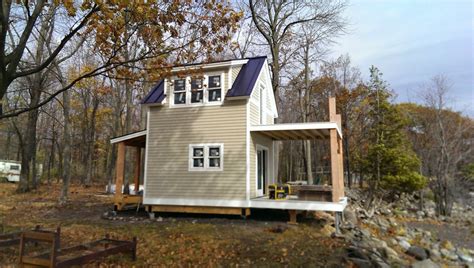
(157, 94)
(247, 77)
(242, 86)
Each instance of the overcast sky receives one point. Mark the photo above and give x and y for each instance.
(410, 41)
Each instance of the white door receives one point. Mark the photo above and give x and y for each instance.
(262, 155)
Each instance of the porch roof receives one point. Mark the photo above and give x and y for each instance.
(135, 139)
(297, 131)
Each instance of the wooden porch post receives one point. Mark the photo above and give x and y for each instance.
(138, 164)
(337, 172)
(119, 170)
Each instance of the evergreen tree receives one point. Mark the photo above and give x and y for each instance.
(390, 162)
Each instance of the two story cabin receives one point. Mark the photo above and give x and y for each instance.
(210, 144)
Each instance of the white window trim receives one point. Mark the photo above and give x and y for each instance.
(205, 101)
(264, 148)
(206, 166)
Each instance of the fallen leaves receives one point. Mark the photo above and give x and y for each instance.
(188, 241)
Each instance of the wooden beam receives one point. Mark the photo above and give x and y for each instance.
(197, 209)
(341, 166)
(119, 170)
(138, 165)
(335, 168)
(292, 214)
(332, 109)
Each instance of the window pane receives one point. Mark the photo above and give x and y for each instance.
(215, 95)
(180, 98)
(198, 162)
(179, 84)
(198, 152)
(214, 151)
(196, 96)
(14, 167)
(196, 83)
(214, 162)
(214, 81)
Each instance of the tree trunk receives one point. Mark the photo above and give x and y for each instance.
(91, 143)
(29, 149)
(66, 169)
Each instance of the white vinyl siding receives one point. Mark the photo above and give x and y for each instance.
(170, 133)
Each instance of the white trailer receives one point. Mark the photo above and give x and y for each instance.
(10, 170)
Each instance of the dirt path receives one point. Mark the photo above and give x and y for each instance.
(178, 239)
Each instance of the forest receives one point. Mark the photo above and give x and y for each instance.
(73, 75)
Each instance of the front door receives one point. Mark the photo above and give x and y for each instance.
(261, 171)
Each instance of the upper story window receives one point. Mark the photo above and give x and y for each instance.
(197, 91)
(180, 91)
(215, 92)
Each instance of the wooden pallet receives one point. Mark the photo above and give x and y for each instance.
(12, 239)
(76, 255)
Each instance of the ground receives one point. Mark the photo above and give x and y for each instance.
(264, 239)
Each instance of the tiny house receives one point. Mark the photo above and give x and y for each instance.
(211, 141)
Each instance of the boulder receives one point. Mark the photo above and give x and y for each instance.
(404, 244)
(450, 255)
(425, 264)
(350, 216)
(390, 254)
(418, 252)
(420, 213)
(328, 230)
(435, 254)
(465, 258)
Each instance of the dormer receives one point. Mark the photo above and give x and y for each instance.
(213, 84)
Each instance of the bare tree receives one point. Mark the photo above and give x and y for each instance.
(451, 143)
(277, 22)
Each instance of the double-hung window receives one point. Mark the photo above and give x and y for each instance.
(215, 88)
(197, 90)
(180, 91)
(206, 157)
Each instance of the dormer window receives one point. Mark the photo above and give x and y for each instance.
(197, 90)
(180, 91)
(215, 92)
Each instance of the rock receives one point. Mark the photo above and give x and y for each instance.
(420, 213)
(392, 242)
(382, 223)
(447, 245)
(400, 231)
(434, 253)
(362, 213)
(449, 254)
(385, 211)
(361, 263)
(418, 252)
(365, 232)
(425, 264)
(328, 230)
(404, 244)
(350, 216)
(390, 254)
(374, 243)
(465, 258)
(159, 219)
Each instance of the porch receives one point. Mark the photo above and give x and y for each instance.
(123, 195)
(320, 194)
